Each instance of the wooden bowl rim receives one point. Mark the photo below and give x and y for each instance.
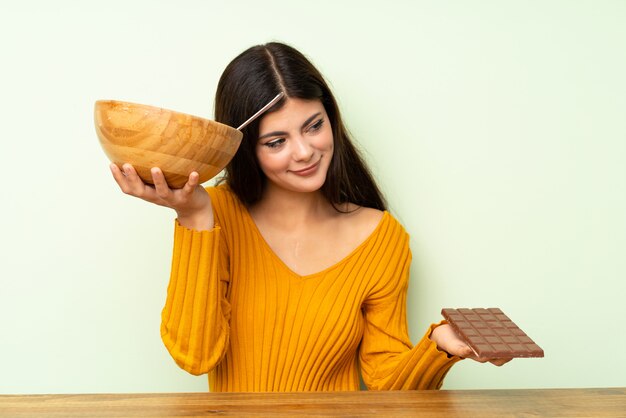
(156, 109)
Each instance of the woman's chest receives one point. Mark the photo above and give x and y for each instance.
(306, 254)
(274, 311)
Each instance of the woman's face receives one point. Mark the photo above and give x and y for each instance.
(295, 145)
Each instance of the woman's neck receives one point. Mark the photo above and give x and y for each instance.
(289, 209)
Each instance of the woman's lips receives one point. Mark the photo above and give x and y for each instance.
(308, 170)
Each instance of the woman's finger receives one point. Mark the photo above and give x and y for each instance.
(160, 184)
(119, 177)
(132, 184)
(191, 184)
(463, 350)
(135, 184)
(124, 180)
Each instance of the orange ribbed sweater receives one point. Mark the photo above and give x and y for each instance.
(236, 311)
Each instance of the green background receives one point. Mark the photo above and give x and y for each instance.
(497, 130)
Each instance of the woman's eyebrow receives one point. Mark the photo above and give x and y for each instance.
(278, 133)
(309, 120)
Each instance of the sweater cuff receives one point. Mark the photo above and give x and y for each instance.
(179, 227)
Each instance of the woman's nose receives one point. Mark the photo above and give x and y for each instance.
(302, 151)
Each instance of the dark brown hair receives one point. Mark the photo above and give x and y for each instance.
(254, 78)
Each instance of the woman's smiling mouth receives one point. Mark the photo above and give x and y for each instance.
(308, 170)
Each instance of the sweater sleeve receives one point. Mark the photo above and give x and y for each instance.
(388, 359)
(195, 319)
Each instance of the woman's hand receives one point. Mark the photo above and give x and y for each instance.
(448, 341)
(191, 203)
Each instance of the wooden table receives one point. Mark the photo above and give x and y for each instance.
(609, 402)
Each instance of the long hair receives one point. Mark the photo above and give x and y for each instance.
(254, 78)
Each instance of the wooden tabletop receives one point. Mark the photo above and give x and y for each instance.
(607, 402)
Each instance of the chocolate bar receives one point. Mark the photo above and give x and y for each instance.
(490, 333)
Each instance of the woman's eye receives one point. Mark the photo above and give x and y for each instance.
(275, 143)
(317, 125)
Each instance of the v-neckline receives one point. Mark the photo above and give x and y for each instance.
(280, 261)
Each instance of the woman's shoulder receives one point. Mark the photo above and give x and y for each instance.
(367, 216)
(363, 222)
(363, 216)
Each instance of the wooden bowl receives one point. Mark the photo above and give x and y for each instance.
(177, 143)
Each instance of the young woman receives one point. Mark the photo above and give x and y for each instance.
(290, 275)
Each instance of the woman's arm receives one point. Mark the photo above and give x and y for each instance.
(388, 359)
(196, 316)
(195, 323)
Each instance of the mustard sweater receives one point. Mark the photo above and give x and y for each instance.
(236, 311)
